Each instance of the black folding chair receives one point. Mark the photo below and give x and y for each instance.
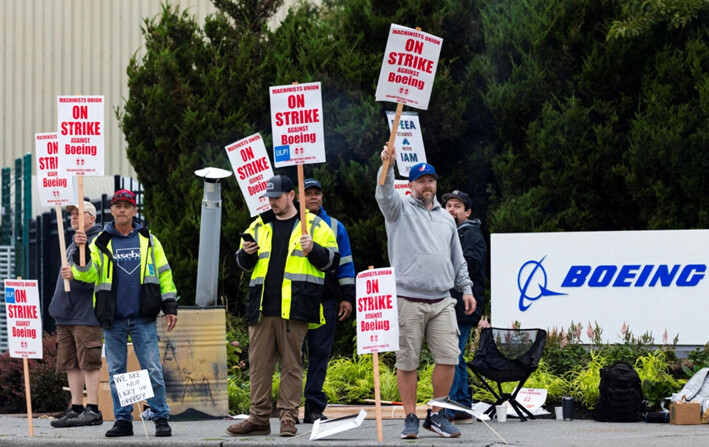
(507, 355)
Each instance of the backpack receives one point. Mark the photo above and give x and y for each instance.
(620, 397)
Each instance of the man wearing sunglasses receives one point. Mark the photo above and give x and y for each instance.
(133, 284)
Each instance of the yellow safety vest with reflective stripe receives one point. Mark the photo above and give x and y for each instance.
(302, 287)
(154, 270)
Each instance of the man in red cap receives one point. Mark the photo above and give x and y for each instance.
(133, 284)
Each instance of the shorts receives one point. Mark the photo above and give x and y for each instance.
(79, 347)
(435, 321)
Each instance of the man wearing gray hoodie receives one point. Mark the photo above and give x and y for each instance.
(425, 251)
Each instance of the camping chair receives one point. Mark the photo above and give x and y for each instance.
(507, 355)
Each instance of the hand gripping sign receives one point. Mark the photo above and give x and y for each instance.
(407, 74)
(252, 169)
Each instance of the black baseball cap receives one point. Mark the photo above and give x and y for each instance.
(460, 195)
(277, 185)
(311, 183)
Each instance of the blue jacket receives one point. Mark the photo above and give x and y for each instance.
(342, 280)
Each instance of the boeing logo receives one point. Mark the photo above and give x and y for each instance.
(527, 273)
(532, 278)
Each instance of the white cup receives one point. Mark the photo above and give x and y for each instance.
(559, 411)
(501, 412)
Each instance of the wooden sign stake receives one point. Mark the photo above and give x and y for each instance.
(62, 243)
(80, 186)
(377, 393)
(390, 143)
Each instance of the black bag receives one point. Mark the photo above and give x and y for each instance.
(620, 396)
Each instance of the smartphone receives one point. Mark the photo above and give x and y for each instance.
(247, 237)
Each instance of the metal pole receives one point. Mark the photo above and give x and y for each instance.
(6, 235)
(27, 207)
(19, 254)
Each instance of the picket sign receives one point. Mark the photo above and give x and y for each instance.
(302, 142)
(81, 143)
(415, 55)
(54, 189)
(133, 387)
(377, 323)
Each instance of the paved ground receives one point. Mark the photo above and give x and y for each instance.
(540, 432)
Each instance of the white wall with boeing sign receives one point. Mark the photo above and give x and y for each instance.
(651, 280)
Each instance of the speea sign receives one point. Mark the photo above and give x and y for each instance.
(652, 280)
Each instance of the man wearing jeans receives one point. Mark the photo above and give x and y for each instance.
(424, 249)
(133, 283)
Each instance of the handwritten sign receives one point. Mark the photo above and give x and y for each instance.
(297, 124)
(408, 142)
(81, 135)
(133, 387)
(409, 67)
(377, 311)
(54, 190)
(24, 318)
(252, 169)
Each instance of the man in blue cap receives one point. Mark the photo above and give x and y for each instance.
(425, 251)
(339, 287)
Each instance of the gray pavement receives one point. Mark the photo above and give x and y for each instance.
(543, 431)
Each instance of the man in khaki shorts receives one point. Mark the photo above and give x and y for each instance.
(424, 249)
(78, 335)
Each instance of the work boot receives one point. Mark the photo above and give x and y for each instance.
(63, 421)
(120, 428)
(313, 415)
(288, 428)
(247, 428)
(87, 417)
(162, 428)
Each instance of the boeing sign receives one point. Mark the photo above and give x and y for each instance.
(652, 280)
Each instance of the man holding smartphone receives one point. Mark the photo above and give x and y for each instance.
(287, 275)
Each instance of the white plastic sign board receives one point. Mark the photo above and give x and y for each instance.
(329, 427)
(252, 168)
(133, 387)
(652, 281)
(24, 318)
(377, 311)
(297, 124)
(409, 67)
(408, 142)
(81, 135)
(54, 190)
(446, 402)
(402, 187)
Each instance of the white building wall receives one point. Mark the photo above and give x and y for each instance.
(66, 47)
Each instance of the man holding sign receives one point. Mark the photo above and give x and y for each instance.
(424, 249)
(133, 284)
(287, 275)
(78, 334)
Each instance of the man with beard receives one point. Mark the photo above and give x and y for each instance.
(425, 252)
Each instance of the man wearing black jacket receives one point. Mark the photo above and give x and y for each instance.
(459, 205)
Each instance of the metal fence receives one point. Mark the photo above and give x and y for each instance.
(7, 271)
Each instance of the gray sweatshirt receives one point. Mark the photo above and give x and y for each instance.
(424, 247)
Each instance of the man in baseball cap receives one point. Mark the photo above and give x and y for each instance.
(89, 208)
(277, 185)
(424, 250)
(459, 206)
(124, 194)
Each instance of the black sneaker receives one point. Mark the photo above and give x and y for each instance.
(162, 428)
(87, 417)
(63, 421)
(120, 428)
